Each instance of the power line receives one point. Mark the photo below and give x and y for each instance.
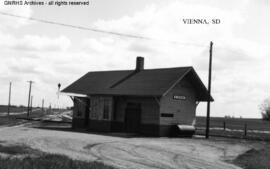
(98, 30)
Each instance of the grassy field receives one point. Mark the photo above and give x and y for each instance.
(28, 158)
(235, 127)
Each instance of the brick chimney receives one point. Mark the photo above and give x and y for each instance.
(139, 63)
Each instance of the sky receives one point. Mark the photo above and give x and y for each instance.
(51, 54)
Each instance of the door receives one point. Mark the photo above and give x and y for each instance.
(133, 117)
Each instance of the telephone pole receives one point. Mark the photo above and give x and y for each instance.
(209, 91)
(28, 107)
(31, 103)
(9, 97)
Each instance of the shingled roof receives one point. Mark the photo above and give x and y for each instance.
(146, 82)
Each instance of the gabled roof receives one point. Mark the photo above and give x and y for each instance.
(147, 82)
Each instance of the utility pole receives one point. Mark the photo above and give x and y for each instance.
(9, 97)
(209, 91)
(28, 107)
(31, 105)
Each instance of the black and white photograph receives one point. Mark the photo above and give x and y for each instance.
(134, 84)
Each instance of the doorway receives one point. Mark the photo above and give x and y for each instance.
(133, 117)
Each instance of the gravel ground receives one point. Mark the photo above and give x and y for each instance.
(143, 153)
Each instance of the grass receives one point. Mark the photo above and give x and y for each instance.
(35, 159)
(49, 161)
(254, 159)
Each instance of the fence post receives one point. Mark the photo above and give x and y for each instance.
(245, 130)
(224, 125)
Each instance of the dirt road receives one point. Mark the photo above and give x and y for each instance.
(143, 153)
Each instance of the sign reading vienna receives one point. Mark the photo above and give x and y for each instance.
(179, 97)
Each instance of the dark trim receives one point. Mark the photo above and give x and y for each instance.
(117, 126)
(78, 123)
(99, 125)
(153, 130)
(150, 130)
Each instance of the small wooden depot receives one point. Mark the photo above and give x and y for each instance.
(144, 101)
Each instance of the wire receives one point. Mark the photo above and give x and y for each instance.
(98, 30)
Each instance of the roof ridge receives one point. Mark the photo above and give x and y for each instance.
(108, 71)
(184, 67)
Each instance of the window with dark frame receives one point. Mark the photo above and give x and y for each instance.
(166, 114)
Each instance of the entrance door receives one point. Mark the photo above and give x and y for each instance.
(133, 117)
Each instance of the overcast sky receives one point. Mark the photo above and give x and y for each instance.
(49, 54)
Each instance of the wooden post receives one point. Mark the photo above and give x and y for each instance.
(209, 92)
(224, 125)
(31, 104)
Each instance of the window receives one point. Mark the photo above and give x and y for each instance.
(106, 109)
(166, 115)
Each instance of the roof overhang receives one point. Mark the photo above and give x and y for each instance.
(202, 91)
(74, 94)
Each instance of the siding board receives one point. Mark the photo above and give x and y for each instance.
(183, 110)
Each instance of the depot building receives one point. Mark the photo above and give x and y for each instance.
(144, 101)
